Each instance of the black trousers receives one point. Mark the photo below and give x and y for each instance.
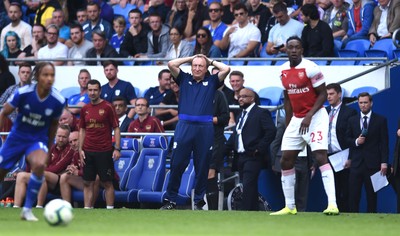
(249, 170)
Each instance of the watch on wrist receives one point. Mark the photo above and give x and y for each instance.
(118, 149)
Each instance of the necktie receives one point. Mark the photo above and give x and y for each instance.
(331, 116)
(365, 123)
(242, 119)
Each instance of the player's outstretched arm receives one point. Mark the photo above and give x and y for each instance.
(173, 65)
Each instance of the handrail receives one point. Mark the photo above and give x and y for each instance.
(396, 37)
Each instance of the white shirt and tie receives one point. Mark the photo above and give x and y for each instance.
(239, 127)
(333, 143)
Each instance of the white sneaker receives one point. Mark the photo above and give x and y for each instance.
(28, 215)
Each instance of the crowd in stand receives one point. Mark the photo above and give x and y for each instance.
(61, 29)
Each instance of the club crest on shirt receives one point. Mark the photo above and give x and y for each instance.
(101, 112)
(190, 82)
(301, 75)
(117, 92)
(205, 83)
(48, 112)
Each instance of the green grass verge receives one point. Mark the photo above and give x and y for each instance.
(186, 222)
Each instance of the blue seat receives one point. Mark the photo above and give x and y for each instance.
(149, 171)
(369, 89)
(271, 96)
(396, 53)
(385, 45)
(359, 45)
(237, 63)
(346, 53)
(184, 192)
(373, 53)
(68, 92)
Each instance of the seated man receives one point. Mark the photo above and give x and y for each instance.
(144, 123)
(155, 95)
(169, 116)
(383, 27)
(101, 48)
(60, 156)
(82, 98)
(121, 108)
(242, 38)
(67, 118)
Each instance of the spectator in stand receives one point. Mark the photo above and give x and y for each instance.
(39, 41)
(360, 17)
(228, 16)
(271, 21)
(317, 36)
(67, 118)
(6, 77)
(155, 95)
(81, 98)
(178, 14)
(17, 25)
(169, 116)
(280, 32)
(120, 106)
(383, 27)
(119, 25)
(204, 44)
(117, 87)
(242, 38)
(135, 41)
(80, 45)
(178, 47)
(54, 49)
(197, 17)
(59, 20)
(122, 8)
(216, 26)
(95, 23)
(12, 45)
(81, 16)
(336, 17)
(101, 49)
(60, 156)
(73, 7)
(156, 7)
(258, 15)
(45, 11)
(145, 123)
(106, 11)
(296, 14)
(157, 38)
(324, 4)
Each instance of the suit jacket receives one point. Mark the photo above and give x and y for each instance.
(343, 116)
(257, 133)
(375, 150)
(393, 18)
(125, 124)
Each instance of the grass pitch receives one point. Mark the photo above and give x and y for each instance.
(186, 222)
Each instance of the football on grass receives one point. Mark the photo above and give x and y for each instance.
(58, 212)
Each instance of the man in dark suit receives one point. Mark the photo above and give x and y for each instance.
(367, 137)
(121, 108)
(254, 132)
(339, 115)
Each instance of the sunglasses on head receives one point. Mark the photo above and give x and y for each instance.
(201, 35)
(214, 10)
(239, 14)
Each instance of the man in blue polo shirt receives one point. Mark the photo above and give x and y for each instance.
(117, 87)
(194, 131)
(155, 95)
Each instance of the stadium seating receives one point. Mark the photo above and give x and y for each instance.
(343, 54)
(184, 192)
(385, 45)
(359, 45)
(270, 96)
(371, 90)
(396, 53)
(68, 92)
(149, 171)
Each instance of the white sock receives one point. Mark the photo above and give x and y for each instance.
(37, 206)
(329, 183)
(88, 208)
(288, 180)
(110, 207)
